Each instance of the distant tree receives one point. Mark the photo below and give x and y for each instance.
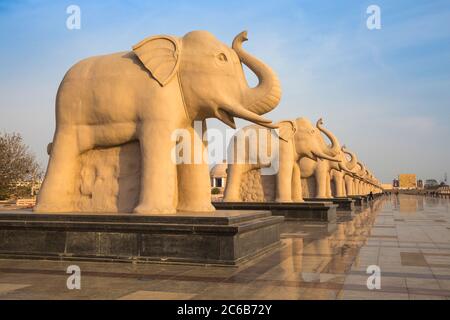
(18, 166)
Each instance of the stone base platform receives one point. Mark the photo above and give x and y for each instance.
(220, 238)
(360, 201)
(307, 211)
(343, 203)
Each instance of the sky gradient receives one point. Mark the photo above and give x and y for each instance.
(384, 93)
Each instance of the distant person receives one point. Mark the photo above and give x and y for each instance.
(371, 195)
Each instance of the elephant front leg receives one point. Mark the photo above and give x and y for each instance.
(234, 179)
(348, 185)
(158, 171)
(339, 185)
(194, 188)
(284, 175)
(321, 176)
(297, 192)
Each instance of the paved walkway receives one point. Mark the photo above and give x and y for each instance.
(407, 237)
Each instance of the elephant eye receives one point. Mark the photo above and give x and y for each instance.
(222, 57)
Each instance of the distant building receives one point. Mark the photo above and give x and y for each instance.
(431, 184)
(395, 183)
(407, 181)
(445, 189)
(419, 184)
(218, 175)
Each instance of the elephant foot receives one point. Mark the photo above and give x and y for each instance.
(283, 200)
(145, 209)
(202, 208)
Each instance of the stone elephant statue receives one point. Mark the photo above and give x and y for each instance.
(321, 169)
(359, 179)
(340, 170)
(298, 139)
(164, 84)
(349, 177)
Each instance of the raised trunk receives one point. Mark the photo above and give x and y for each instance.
(267, 94)
(352, 163)
(335, 147)
(362, 171)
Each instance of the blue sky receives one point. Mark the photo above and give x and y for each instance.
(385, 93)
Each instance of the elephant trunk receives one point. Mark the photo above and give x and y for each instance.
(335, 146)
(362, 170)
(266, 96)
(352, 163)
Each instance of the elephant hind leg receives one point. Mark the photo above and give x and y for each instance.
(297, 192)
(58, 188)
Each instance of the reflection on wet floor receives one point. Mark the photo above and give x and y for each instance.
(407, 236)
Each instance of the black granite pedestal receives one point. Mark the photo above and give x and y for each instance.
(222, 237)
(343, 203)
(360, 201)
(307, 211)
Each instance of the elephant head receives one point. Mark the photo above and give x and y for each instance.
(309, 142)
(361, 170)
(345, 164)
(211, 77)
(349, 165)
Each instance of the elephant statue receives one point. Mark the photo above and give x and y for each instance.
(164, 84)
(297, 139)
(341, 169)
(349, 177)
(320, 169)
(359, 180)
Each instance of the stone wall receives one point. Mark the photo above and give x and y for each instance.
(259, 188)
(256, 187)
(109, 179)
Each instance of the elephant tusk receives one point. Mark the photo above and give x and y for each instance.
(244, 114)
(226, 118)
(324, 156)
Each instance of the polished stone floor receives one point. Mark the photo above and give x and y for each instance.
(406, 236)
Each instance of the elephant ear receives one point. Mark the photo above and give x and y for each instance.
(160, 55)
(287, 130)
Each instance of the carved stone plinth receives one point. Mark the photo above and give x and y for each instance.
(360, 201)
(221, 237)
(343, 203)
(308, 211)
